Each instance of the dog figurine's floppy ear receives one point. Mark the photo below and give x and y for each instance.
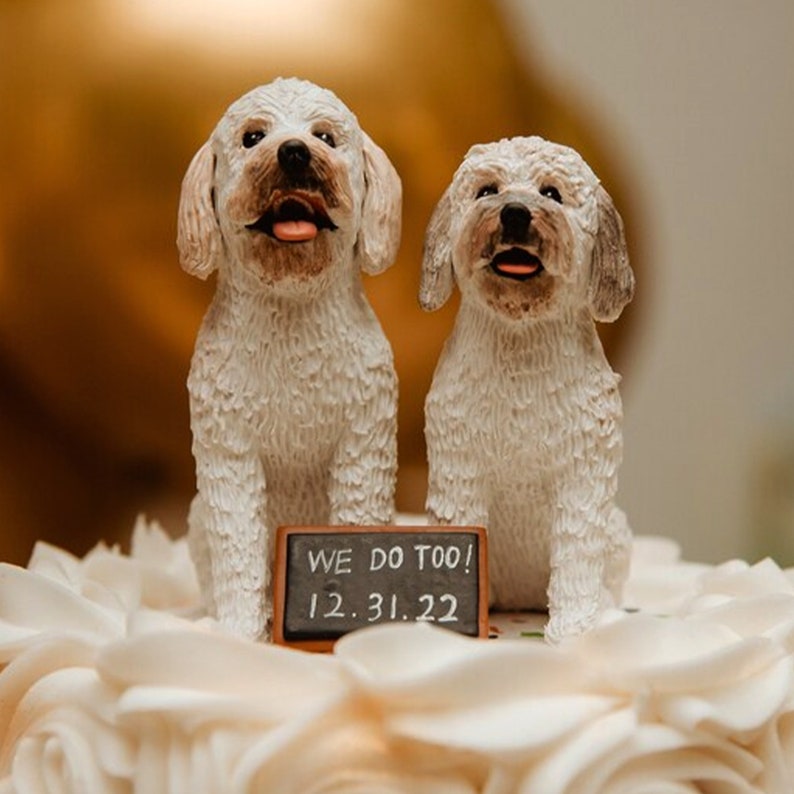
(438, 279)
(381, 216)
(198, 233)
(611, 284)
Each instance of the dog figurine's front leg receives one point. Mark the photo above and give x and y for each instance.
(455, 498)
(364, 468)
(229, 535)
(590, 550)
(456, 492)
(575, 590)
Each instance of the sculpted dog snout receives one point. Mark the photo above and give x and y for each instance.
(294, 156)
(515, 219)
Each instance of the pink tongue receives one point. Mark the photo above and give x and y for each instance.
(294, 231)
(517, 270)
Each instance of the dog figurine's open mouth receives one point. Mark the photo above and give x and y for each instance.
(516, 263)
(294, 217)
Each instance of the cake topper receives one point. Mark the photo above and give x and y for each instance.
(523, 420)
(292, 385)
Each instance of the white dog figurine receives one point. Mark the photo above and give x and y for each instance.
(523, 417)
(292, 385)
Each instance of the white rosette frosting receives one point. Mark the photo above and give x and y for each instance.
(111, 681)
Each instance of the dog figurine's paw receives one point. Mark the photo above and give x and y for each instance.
(565, 625)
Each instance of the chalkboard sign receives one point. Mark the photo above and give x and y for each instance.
(329, 581)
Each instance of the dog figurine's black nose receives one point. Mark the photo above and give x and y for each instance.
(294, 155)
(515, 220)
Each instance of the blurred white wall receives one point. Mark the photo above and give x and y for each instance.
(697, 97)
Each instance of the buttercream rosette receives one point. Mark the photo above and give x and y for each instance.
(113, 681)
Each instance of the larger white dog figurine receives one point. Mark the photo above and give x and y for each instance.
(523, 417)
(292, 385)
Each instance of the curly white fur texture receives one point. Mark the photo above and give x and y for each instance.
(523, 420)
(292, 385)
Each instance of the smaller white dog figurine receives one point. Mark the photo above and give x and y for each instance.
(523, 417)
(292, 385)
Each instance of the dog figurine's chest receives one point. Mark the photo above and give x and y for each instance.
(296, 413)
(527, 406)
(287, 389)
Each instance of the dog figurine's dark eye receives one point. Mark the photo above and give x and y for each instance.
(252, 138)
(326, 138)
(549, 191)
(487, 190)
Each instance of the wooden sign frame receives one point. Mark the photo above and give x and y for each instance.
(281, 573)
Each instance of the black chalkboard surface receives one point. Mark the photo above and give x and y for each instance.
(329, 581)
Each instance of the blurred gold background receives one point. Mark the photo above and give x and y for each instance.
(102, 105)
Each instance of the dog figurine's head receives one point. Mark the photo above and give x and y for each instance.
(289, 187)
(526, 229)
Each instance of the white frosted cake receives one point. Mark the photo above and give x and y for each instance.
(113, 682)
